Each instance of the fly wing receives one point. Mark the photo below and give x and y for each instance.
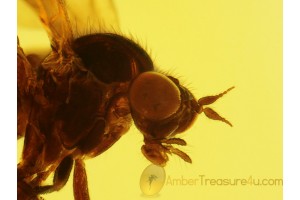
(29, 27)
(92, 16)
(26, 17)
(63, 20)
(54, 17)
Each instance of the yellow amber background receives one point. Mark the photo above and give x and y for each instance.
(210, 45)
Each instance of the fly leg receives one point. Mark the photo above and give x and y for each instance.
(33, 145)
(26, 86)
(210, 113)
(26, 192)
(61, 177)
(26, 82)
(80, 185)
(26, 75)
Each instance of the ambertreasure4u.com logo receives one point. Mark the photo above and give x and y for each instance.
(154, 178)
(203, 180)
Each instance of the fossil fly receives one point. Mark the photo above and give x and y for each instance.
(84, 95)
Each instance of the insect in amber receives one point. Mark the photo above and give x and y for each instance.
(79, 100)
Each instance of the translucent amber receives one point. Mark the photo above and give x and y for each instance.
(152, 179)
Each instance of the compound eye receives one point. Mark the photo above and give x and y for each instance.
(154, 96)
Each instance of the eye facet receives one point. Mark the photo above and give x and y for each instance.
(154, 96)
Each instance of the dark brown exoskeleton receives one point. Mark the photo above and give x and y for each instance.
(79, 100)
